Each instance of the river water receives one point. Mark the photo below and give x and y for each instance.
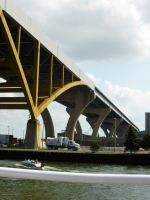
(21, 189)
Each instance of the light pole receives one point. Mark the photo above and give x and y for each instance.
(12, 131)
(115, 136)
(43, 132)
(23, 134)
(8, 129)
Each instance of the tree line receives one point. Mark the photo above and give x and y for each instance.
(132, 143)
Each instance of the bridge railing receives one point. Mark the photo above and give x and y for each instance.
(74, 177)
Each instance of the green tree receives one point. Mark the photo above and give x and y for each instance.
(131, 142)
(146, 141)
(94, 146)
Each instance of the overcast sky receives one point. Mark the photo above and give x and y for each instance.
(108, 40)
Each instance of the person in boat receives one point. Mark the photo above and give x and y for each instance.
(36, 161)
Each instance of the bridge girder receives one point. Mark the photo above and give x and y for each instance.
(27, 80)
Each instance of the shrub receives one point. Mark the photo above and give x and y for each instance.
(94, 146)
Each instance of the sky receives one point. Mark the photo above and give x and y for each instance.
(109, 41)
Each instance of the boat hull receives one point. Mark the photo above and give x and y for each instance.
(31, 164)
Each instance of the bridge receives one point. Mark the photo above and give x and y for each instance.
(38, 72)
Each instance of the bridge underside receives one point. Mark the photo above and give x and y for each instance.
(31, 72)
(34, 77)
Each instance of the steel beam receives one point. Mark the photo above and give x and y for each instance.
(12, 99)
(15, 63)
(35, 74)
(14, 106)
(11, 90)
(18, 39)
(51, 75)
(62, 76)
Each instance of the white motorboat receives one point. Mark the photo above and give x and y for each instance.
(32, 163)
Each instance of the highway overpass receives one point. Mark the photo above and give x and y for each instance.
(39, 72)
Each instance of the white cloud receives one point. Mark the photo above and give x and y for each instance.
(133, 103)
(93, 78)
(15, 119)
(93, 29)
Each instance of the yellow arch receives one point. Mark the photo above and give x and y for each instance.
(54, 95)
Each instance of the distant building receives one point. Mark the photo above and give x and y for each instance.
(147, 122)
(5, 138)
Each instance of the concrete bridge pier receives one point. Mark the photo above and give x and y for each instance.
(115, 125)
(48, 123)
(33, 134)
(105, 128)
(78, 126)
(91, 121)
(122, 129)
(107, 125)
(81, 100)
(96, 122)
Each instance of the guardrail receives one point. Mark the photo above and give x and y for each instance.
(74, 177)
(117, 149)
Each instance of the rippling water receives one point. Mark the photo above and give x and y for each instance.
(20, 189)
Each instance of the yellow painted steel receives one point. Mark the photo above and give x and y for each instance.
(31, 100)
(58, 92)
(62, 76)
(18, 39)
(72, 77)
(51, 75)
(16, 64)
(35, 75)
(43, 97)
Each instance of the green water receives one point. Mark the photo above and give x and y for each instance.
(20, 189)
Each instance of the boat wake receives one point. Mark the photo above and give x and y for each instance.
(48, 168)
(18, 165)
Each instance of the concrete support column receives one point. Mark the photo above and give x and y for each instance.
(122, 129)
(106, 128)
(102, 113)
(49, 126)
(78, 126)
(33, 134)
(114, 127)
(91, 121)
(107, 125)
(79, 136)
(81, 99)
